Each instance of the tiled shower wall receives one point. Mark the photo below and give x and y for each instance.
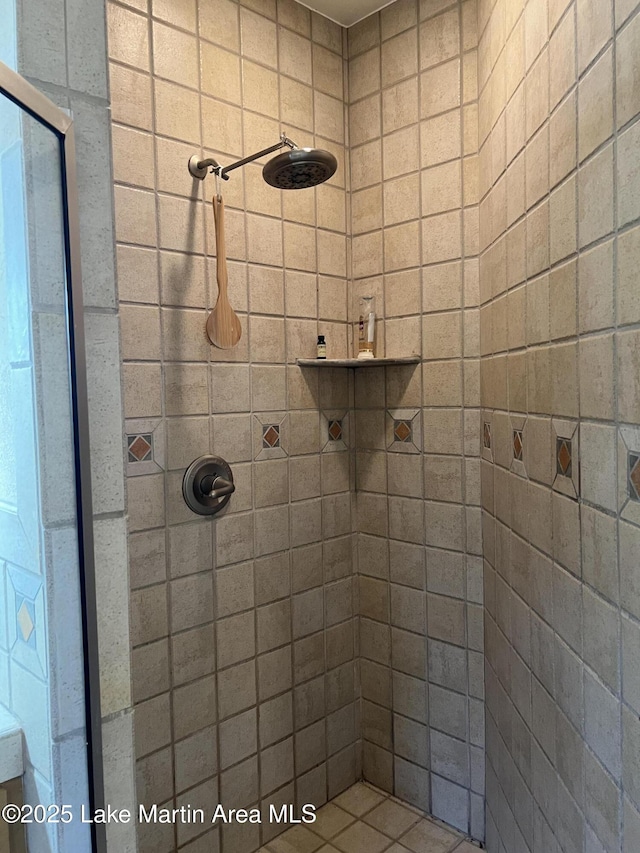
(242, 632)
(413, 148)
(560, 188)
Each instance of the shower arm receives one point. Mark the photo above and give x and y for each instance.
(198, 168)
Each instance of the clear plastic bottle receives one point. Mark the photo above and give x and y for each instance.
(367, 327)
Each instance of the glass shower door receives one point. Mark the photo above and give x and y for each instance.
(43, 652)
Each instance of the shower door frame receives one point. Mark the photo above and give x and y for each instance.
(38, 106)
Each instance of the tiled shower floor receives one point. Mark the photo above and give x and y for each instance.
(366, 820)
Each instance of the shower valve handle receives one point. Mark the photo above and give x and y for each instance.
(208, 485)
(219, 487)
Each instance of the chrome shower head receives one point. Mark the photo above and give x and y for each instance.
(300, 168)
(295, 169)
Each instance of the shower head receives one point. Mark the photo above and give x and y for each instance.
(295, 169)
(300, 168)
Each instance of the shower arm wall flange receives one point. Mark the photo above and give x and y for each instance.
(198, 168)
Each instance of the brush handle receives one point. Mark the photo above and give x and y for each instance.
(221, 258)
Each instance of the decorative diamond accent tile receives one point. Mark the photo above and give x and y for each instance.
(145, 446)
(335, 430)
(564, 459)
(271, 435)
(518, 444)
(402, 430)
(25, 621)
(634, 477)
(486, 440)
(140, 447)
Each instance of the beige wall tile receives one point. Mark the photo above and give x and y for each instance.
(563, 300)
(327, 72)
(598, 467)
(593, 29)
(595, 182)
(130, 97)
(556, 10)
(628, 295)
(400, 58)
(132, 156)
(222, 127)
(627, 72)
(536, 30)
(469, 77)
(177, 112)
(596, 288)
(326, 32)
(441, 188)
(402, 246)
(537, 239)
(628, 377)
(259, 89)
(264, 240)
(267, 339)
(128, 37)
(135, 216)
(562, 221)
(441, 238)
(299, 247)
(329, 117)
(440, 139)
(258, 39)
(364, 120)
(537, 94)
(183, 336)
(366, 209)
(628, 175)
(175, 55)
(597, 377)
(332, 254)
(401, 199)
(363, 35)
(537, 167)
(294, 16)
(400, 152)
(441, 335)
(366, 165)
(220, 73)
(364, 75)
(595, 117)
(180, 224)
(562, 140)
(440, 89)
(219, 23)
(439, 39)
(401, 16)
(562, 60)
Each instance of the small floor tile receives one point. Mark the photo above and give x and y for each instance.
(359, 799)
(296, 840)
(391, 818)
(361, 838)
(428, 837)
(330, 820)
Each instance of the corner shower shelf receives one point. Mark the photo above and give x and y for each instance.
(356, 362)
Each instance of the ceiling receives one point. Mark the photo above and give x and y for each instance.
(346, 12)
